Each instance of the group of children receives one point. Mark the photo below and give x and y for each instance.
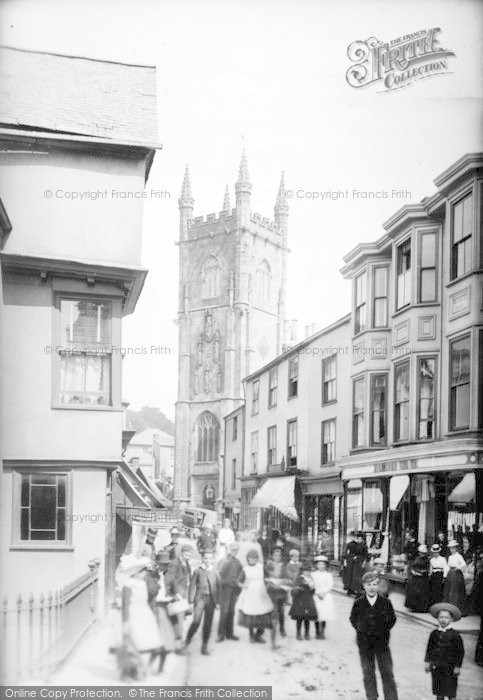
(266, 589)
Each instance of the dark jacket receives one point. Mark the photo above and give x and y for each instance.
(229, 569)
(177, 578)
(373, 623)
(445, 650)
(204, 584)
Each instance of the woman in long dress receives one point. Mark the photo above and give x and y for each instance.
(348, 560)
(438, 568)
(359, 559)
(454, 586)
(417, 594)
(324, 601)
(255, 606)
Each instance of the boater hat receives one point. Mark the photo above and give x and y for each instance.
(435, 548)
(449, 607)
(453, 543)
(321, 557)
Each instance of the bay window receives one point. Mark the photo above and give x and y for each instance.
(462, 225)
(401, 404)
(460, 353)
(378, 409)
(427, 267)
(358, 413)
(361, 298)
(380, 278)
(426, 382)
(403, 262)
(85, 352)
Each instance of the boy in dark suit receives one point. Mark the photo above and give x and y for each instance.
(373, 617)
(203, 594)
(229, 569)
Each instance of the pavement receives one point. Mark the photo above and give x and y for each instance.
(91, 664)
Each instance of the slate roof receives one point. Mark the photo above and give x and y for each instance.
(73, 95)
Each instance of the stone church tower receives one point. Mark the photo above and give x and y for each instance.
(232, 269)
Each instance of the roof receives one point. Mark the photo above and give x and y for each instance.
(294, 349)
(147, 437)
(74, 95)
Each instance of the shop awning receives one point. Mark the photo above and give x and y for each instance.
(465, 491)
(277, 492)
(398, 487)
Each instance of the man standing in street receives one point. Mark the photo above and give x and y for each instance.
(203, 594)
(177, 581)
(373, 617)
(174, 547)
(229, 569)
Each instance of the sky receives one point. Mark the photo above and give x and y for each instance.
(271, 74)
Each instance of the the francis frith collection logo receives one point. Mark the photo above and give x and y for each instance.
(399, 62)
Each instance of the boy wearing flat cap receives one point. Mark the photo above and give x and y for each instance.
(373, 617)
(445, 651)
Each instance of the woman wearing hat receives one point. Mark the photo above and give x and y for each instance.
(142, 641)
(254, 603)
(359, 559)
(324, 601)
(438, 568)
(454, 586)
(444, 651)
(417, 592)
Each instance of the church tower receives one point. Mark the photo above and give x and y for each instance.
(232, 270)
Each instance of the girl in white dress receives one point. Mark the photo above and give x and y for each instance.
(142, 642)
(324, 601)
(255, 605)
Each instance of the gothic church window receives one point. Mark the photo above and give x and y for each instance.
(210, 278)
(264, 278)
(208, 434)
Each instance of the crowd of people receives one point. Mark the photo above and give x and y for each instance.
(269, 580)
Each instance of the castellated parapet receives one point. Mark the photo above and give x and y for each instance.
(224, 222)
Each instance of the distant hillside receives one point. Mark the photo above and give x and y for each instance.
(149, 417)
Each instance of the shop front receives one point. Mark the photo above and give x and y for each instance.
(321, 516)
(396, 512)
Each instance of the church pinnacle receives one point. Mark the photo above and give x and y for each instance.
(243, 181)
(186, 198)
(226, 201)
(281, 206)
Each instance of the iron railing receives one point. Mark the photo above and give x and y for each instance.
(38, 633)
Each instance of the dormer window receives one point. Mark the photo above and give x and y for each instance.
(361, 300)
(404, 274)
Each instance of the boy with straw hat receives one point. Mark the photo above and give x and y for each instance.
(445, 651)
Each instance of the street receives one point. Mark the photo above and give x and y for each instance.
(325, 669)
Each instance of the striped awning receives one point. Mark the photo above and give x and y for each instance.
(279, 493)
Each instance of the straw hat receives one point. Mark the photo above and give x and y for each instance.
(321, 557)
(453, 543)
(435, 548)
(423, 549)
(449, 607)
(129, 565)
